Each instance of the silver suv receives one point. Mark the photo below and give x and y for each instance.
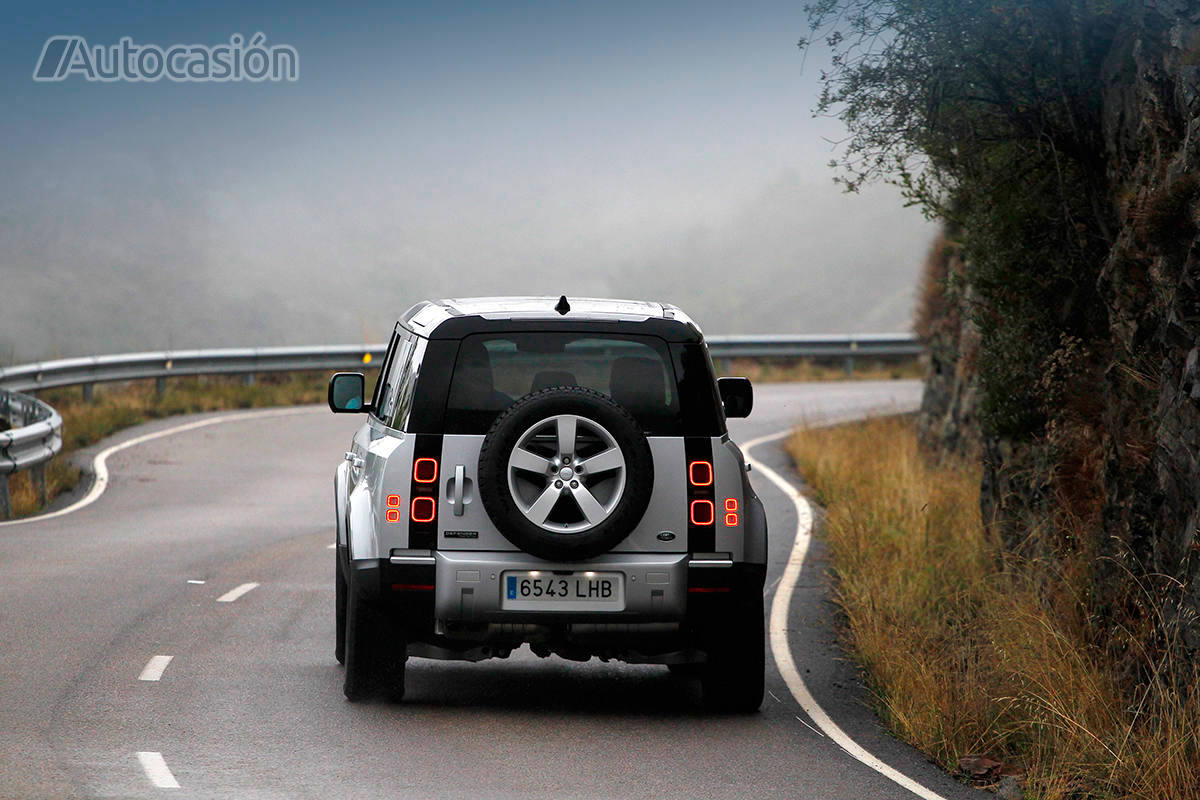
(554, 473)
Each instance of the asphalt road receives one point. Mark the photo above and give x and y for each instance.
(250, 705)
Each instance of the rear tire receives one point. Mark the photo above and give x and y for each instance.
(685, 672)
(376, 652)
(339, 609)
(732, 678)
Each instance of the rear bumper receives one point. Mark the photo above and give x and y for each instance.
(469, 587)
(458, 586)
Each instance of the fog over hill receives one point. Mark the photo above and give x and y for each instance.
(169, 265)
(587, 150)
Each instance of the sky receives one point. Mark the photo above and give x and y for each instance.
(651, 151)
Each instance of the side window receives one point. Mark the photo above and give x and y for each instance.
(407, 385)
(392, 376)
(377, 390)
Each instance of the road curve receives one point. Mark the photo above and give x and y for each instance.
(178, 632)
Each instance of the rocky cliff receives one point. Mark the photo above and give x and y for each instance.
(1112, 475)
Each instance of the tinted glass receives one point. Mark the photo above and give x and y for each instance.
(494, 370)
(392, 378)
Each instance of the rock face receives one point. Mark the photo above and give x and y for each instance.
(1151, 424)
(1119, 458)
(948, 406)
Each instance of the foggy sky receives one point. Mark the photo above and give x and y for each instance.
(601, 149)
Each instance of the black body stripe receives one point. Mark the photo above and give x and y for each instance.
(701, 538)
(423, 535)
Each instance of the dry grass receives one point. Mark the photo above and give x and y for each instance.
(117, 406)
(807, 369)
(972, 653)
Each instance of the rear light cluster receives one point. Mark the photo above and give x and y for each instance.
(393, 508)
(700, 475)
(704, 511)
(425, 470)
(423, 507)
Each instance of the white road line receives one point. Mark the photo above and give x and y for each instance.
(810, 727)
(198, 583)
(774, 583)
(154, 668)
(157, 771)
(331, 547)
(100, 468)
(234, 594)
(778, 629)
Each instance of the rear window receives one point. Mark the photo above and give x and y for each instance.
(494, 370)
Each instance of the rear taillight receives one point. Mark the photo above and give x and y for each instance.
(731, 507)
(425, 470)
(424, 509)
(700, 473)
(702, 512)
(393, 508)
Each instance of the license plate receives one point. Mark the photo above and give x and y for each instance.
(574, 591)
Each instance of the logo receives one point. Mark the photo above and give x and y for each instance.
(66, 56)
(666, 536)
(461, 534)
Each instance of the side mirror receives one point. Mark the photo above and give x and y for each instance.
(737, 395)
(346, 391)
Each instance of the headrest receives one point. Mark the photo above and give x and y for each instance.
(638, 384)
(473, 381)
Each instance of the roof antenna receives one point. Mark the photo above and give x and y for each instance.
(563, 306)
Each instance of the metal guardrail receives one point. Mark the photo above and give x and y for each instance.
(881, 346)
(36, 434)
(134, 366)
(34, 437)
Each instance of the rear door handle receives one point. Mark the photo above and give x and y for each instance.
(456, 500)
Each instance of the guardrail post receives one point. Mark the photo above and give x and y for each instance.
(89, 392)
(38, 473)
(849, 366)
(160, 386)
(248, 379)
(5, 500)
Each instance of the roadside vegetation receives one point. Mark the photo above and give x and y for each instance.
(985, 660)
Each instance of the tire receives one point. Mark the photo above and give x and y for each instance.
(628, 487)
(339, 608)
(732, 678)
(685, 672)
(375, 653)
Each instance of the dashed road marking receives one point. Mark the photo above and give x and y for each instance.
(198, 583)
(154, 668)
(156, 769)
(331, 547)
(780, 647)
(235, 593)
